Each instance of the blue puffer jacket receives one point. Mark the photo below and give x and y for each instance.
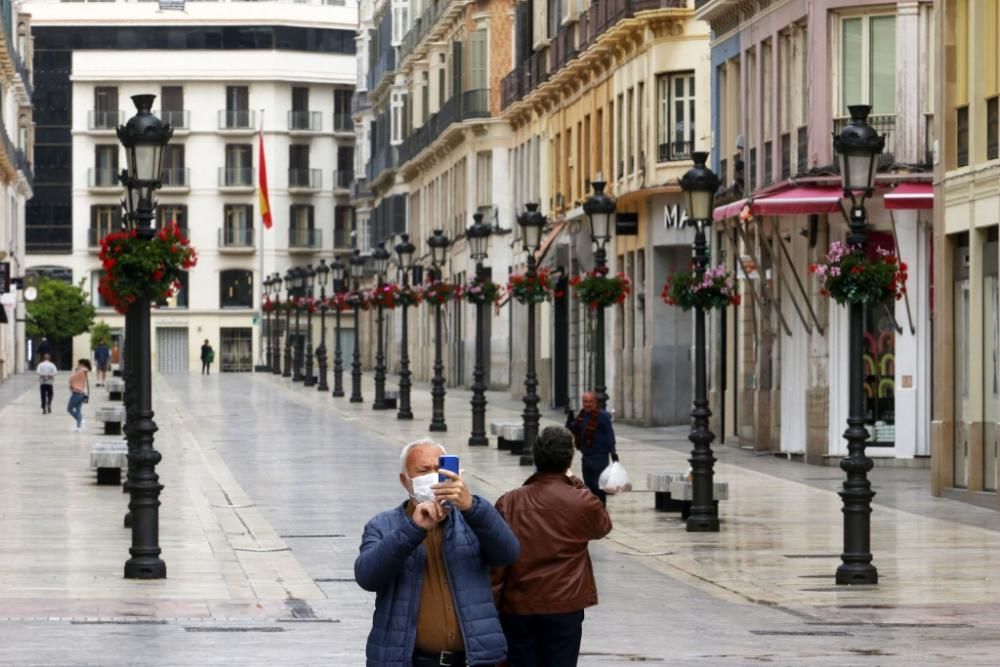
(391, 564)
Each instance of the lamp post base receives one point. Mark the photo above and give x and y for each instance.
(381, 405)
(702, 524)
(438, 428)
(145, 568)
(338, 393)
(856, 573)
(479, 441)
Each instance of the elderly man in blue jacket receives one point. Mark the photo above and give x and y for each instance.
(428, 562)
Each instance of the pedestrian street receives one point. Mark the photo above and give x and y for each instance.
(268, 485)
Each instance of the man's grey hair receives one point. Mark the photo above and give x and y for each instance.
(403, 455)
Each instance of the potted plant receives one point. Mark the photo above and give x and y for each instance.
(439, 292)
(531, 289)
(849, 275)
(481, 290)
(713, 288)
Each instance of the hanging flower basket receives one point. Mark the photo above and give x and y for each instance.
(381, 295)
(268, 305)
(481, 291)
(716, 288)
(137, 269)
(439, 292)
(354, 299)
(526, 289)
(310, 304)
(597, 290)
(406, 295)
(848, 275)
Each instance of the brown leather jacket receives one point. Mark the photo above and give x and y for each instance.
(554, 518)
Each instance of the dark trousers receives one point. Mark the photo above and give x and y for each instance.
(543, 640)
(205, 366)
(593, 466)
(46, 391)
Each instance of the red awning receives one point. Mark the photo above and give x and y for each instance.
(729, 210)
(908, 196)
(801, 200)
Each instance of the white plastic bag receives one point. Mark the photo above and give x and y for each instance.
(614, 479)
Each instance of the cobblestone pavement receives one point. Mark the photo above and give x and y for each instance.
(268, 484)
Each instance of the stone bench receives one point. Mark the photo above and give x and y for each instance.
(115, 388)
(674, 493)
(510, 435)
(112, 416)
(109, 457)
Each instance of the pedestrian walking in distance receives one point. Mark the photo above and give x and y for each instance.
(47, 372)
(207, 357)
(595, 438)
(427, 561)
(102, 356)
(79, 391)
(44, 348)
(541, 597)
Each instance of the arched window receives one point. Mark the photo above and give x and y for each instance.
(236, 288)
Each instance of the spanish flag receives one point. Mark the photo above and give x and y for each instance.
(265, 202)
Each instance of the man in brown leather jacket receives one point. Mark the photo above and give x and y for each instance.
(541, 597)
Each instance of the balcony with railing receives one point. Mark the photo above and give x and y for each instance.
(342, 237)
(382, 159)
(674, 151)
(459, 107)
(305, 179)
(237, 239)
(885, 125)
(360, 101)
(304, 239)
(342, 179)
(237, 120)
(104, 121)
(571, 41)
(421, 26)
(180, 120)
(305, 121)
(102, 178)
(176, 178)
(342, 122)
(236, 178)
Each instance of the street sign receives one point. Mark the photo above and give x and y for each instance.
(626, 224)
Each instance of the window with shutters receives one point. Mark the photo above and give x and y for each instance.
(478, 60)
(868, 63)
(396, 106)
(675, 111)
(400, 20)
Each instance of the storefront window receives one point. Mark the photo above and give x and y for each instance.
(880, 362)
(237, 350)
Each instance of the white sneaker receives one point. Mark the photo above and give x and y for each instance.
(83, 423)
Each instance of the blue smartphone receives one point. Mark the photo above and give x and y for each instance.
(447, 462)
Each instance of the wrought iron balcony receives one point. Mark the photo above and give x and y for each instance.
(343, 178)
(342, 122)
(179, 120)
(176, 177)
(884, 124)
(102, 177)
(462, 106)
(674, 151)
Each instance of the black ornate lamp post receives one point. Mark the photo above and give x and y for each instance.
(381, 258)
(479, 238)
(322, 275)
(266, 298)
(299, 281)
(859, 146)
(600, 208)
(310, 290)
(143, 138)
(699, 185)
(337, 269)
(357, 272)
(276, 325)
(532, 222)
(438, 243)
(290, 288)
(404, 252)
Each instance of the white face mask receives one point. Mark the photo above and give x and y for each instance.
(422, 491)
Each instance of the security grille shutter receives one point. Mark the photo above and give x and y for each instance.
(172, 349)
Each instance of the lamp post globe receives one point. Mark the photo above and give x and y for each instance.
(859, 147)
(600, 208)
(699, 185)
(404, 253)
(144, 137)
(478, 235)
(380, 257)
(438, 244)
(357, 262)
(337, 271)
(532, 223)
(322, 277)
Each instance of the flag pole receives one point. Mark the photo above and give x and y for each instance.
(260, 282)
